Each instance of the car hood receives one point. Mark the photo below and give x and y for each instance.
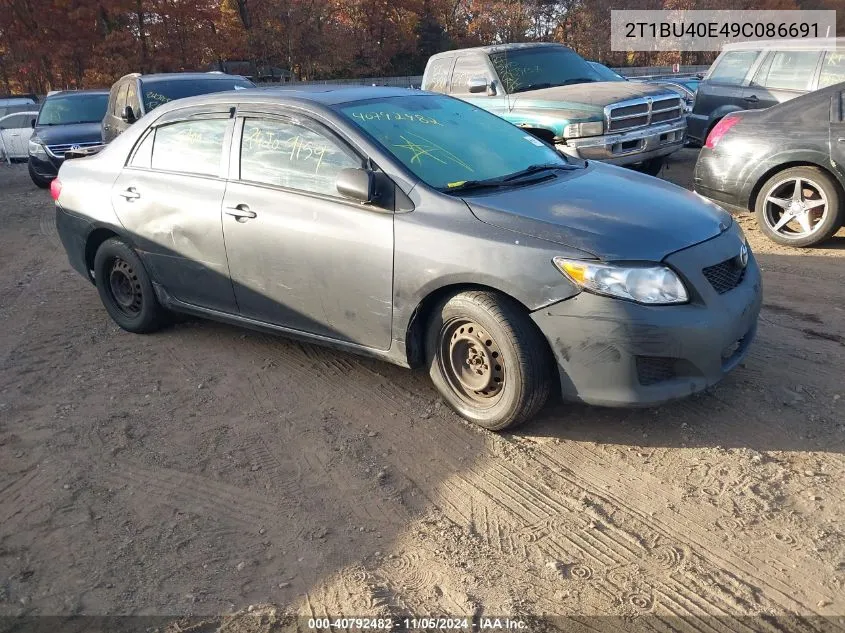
(587, 96)
(611, 212)
(74, 133)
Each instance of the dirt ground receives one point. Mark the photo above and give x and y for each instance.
(205, 469)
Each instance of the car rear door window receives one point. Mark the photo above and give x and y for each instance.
(788, 70)
(286, 154)
(466, 68)
(733, 67)
(194, 146)
(833, 69)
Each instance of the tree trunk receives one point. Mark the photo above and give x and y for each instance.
(139, 10)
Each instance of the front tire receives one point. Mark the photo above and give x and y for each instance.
(488, 360)
(800, 206)
(125, 288)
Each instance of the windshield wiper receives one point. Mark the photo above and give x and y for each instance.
(510, 180)
(533, 169)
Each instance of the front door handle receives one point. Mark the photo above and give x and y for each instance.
(752, 99)
(841, 140)
(240, 212)
(130, 194)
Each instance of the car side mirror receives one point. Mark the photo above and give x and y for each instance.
(32, 123)
(128, 115)
(357, 184)
(476, 85)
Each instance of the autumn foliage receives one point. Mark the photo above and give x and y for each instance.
(52, 44)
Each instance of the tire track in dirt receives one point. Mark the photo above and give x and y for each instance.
(631, 491)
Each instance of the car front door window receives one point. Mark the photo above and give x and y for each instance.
(286, 154)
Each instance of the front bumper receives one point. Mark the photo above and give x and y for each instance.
(45, 168)
(628, 148)
(618, 353)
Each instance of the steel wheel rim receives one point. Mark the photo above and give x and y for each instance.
(795, 207)
(471, 361)
(125, 288)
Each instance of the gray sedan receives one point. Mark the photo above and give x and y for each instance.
(419, 229)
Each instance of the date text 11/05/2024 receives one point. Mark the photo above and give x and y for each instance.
(418, 623)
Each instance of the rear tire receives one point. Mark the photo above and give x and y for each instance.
(776, 203)
(41, 183)
(488, 360)
(125, 288)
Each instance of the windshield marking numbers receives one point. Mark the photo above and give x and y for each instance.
(395, 116)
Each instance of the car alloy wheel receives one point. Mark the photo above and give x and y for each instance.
(795, 207)
(472, 362)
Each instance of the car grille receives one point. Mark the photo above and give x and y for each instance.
(628, 115)
(58, 151)
(725, 276)
(654, 369)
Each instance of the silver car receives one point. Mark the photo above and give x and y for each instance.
(419, 229)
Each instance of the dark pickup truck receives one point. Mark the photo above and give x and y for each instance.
(552, 92)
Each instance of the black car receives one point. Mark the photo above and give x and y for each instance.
(757, 75)
(785, 163)
(133, 95)
(67, 120)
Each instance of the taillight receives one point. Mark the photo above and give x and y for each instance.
(56, 188)
(719, 130)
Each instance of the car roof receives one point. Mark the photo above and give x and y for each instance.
(183, 76)
(70, 93)
(24, 112)
(326, 95)
(810, 43)
(498, 48)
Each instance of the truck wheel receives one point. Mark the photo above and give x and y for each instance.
(488, 360)
(801, 206)
(125, 288)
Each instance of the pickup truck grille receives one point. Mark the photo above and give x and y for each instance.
(59, 150)
(636, 113)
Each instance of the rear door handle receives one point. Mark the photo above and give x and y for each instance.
(240, 212)
(130, 194)
(752, 99)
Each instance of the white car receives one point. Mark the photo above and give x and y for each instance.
(15, 130)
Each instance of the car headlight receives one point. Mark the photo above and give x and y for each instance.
(36, 148)
(649, 284)
(577, 130)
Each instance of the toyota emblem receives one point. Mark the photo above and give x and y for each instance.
(743, 255)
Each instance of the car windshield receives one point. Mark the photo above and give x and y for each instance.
(447, 142)
(541, 67)
(68, 109)
(158, 93)
(605, 73)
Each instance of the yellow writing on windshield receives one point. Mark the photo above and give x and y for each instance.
(421, 147)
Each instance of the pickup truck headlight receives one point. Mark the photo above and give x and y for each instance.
(36, 148)
(649, 284)
(577, 130)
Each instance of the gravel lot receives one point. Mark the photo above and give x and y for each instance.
(207, 468)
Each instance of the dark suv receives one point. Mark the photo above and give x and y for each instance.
(132, 96)
(755, 75)
(67, 120)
